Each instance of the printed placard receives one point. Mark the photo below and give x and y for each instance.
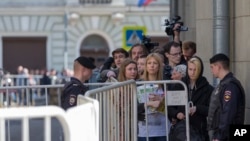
(143, 93)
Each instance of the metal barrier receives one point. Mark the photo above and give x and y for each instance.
(80, 122)
(27, 79)
(30, 95)
(92, 106)
(171, 97)
(25, 114)
(118, 107)
(37, 95)
(118, 111)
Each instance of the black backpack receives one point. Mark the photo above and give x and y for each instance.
(178, 132)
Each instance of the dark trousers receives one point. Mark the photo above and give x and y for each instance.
(162, 138)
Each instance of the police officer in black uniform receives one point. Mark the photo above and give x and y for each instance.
(227, 103)
(83, 67)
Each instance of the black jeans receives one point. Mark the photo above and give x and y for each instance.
(161, 138)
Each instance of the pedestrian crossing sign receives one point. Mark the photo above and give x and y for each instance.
(132, 35)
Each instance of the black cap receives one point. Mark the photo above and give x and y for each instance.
(86, 62)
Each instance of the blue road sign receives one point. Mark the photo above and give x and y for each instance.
(132, 35)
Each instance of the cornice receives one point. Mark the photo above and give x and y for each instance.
(82, 10)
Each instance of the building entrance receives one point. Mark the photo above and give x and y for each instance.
(95, 46)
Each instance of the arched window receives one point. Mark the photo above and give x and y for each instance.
(95, 46)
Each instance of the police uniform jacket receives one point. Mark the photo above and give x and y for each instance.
(70, 92)
(227, 107)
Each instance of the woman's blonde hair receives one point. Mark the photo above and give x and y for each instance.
(122, 69)
(198, 66)
(159, 59)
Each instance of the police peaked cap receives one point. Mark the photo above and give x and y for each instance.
(86, 62)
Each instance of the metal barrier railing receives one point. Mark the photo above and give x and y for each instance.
(30, 95)
(92, 132)
(12, 96)
(80, 122)
(25, 80)
(26, 113)
(172, 98)
(118, 107)
(118, 111)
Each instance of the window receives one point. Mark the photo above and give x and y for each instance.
(95, 1)
(95, 46)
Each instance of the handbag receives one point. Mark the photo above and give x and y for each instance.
(178, 132)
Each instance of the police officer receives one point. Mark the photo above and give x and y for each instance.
(227, 103)
(82, 71)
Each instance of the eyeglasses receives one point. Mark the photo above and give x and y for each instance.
(176, 54)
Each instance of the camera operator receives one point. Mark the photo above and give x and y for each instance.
(176, 37)
(174, 28)
(173, 54)
(176, 33)
(173, 49)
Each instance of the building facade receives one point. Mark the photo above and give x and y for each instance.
(52, 33)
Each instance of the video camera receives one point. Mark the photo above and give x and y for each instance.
(146, 41)
(170, 25)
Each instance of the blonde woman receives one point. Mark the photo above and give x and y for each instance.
(199, 92)
(155, 128)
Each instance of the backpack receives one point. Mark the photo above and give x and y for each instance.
(178, 132)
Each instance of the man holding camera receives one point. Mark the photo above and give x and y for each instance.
(173, 53)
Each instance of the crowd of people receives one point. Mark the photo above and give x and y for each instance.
(213, 108)
(212, 111)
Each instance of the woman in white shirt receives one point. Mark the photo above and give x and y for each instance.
(155, 126)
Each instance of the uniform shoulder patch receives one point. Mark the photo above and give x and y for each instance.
(72, 99)
(227, 96)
